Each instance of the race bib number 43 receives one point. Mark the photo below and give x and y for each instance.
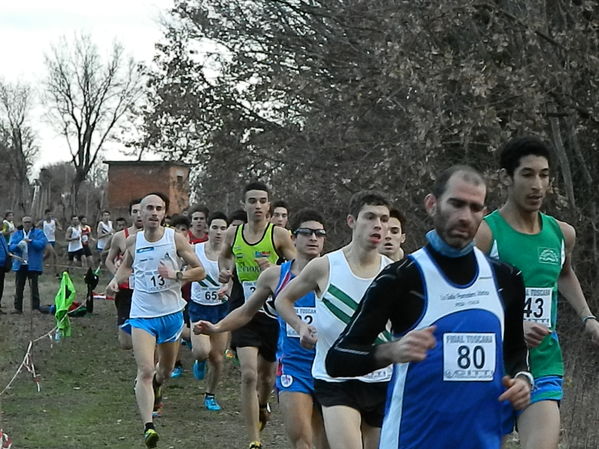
(468, 357)
(537, 306)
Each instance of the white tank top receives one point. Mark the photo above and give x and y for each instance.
(334, 310)
(50, 230)
(108, 228)
(205, 291)
(75, 245)
(154, 296)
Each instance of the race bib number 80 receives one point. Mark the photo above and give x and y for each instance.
(468, 357)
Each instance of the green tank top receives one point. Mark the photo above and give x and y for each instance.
(245, 256)
(540, 257)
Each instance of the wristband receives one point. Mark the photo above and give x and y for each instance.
(587, 318)
(527, 376)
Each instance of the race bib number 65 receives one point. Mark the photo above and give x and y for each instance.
(468, 357)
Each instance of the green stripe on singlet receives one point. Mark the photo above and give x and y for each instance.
(210, 282)
(339, 294)
(209, 279)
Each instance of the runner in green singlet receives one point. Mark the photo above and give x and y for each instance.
(541, 247)
(249, 249)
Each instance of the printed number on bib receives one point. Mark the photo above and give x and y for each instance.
(468, 357)
(154, 282)
(210, 296)
(249, 287)
(307, 315)
(537, 306)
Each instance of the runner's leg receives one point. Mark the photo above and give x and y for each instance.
(248, 363)
(539, 426)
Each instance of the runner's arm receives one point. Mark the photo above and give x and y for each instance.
(226, 263)
(355, 353)
(569, 285)
(285, 246)
(194, 271)
(125, 268)
(114, 252)
(307, 281)
(239, 317)
(484, 237)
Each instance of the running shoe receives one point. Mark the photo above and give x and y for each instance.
(263, 416)
(199, 369)
(211, 404)
(229, 354)
(255, 445)
(177, 372)
(151, 438)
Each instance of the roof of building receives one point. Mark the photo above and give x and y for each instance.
(149, 163)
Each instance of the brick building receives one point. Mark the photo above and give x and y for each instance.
(134, 179)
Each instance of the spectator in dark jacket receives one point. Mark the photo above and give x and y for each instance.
(4, 259)
(28, 245)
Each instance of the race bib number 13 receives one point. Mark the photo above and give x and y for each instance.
(468, 357)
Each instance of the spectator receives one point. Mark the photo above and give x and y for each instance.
(8, 225)
(28, 245)
(4, 260)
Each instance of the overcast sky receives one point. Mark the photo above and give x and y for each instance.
(28, 28)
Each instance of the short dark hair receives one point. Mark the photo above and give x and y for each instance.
(81, 217)
(469, 174)
(180, 219)
(396, 213)
(133, 202)
(217, 216)
(238, 214)
(160, 195)
(7, 213)
(199, 208)
(105, 211)
(121, 219)
(306, 214)
(75, 216)
(366, 197)
(519, 147)
(47, 210)
(279, 203)
(256, 185)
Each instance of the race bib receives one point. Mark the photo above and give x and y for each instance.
(154, 282)
(249, 287)
(307, 314)
(210, 295)
(468, 357)
(537, 305)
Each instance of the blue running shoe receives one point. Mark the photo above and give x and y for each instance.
(211, 404)
(199, 369)
(177, 372)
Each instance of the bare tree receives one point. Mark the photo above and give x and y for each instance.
(18, 138)
(87, 98)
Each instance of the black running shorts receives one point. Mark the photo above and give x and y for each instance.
(367, 398)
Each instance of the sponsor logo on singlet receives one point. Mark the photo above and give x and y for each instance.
(549, 256)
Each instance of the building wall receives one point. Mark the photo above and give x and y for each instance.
(131, 180)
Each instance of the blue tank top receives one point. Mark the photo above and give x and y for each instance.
(289, 351)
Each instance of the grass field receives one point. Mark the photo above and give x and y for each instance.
(86, 399)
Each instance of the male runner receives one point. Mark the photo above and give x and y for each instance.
(49, 225)
(207, 304)
(104, 231)
(249, 249)
(280, 213)
(116, 252)
(86, 238)
(295, 384)
(237, 217)
(541, 246)
(456, 319)
(198, 216)
(156, 315)
(74, 245)
(395, 237)
(352, 407)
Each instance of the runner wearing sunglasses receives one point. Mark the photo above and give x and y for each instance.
(295, 384)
